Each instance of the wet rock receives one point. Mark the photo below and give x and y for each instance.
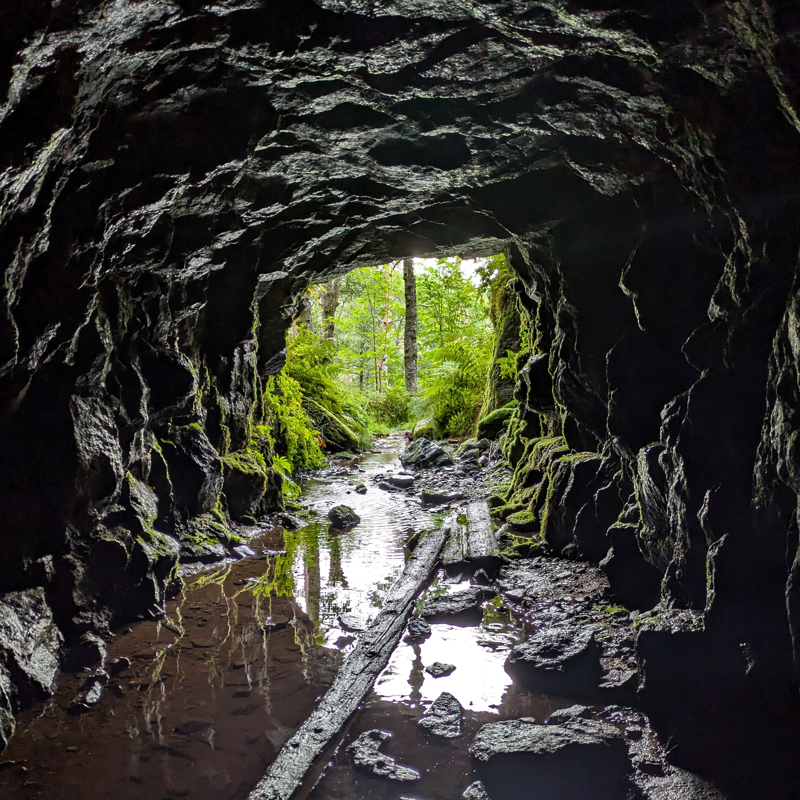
(438, 669)
(91, 694)
(30, 643)
(367, 757)
(7, 722)
(424, 454)
(291, 522)
(558, 659)
(343, 517)
(352, 622)
(387, 487)
(575, 759)
(676, 784)
(476, 791)
(459, 608)
(361, 488)
(418, 628)
(438, 499)
(400, 481)
(444, 717)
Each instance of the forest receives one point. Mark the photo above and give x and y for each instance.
(428, 346)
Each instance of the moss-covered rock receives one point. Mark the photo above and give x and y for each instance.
(523, 521)
(246, 480)
(426, 429)
(492, 425)
(337, 433)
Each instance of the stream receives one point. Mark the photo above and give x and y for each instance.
(200, 702)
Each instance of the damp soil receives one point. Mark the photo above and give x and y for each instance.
(245, 652)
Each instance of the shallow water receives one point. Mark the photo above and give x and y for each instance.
(245, 652)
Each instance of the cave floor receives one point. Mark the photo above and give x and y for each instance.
(198, 703)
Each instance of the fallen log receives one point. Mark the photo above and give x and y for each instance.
(354, 681)
(473, 542)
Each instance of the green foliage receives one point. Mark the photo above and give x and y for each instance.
(391, 408)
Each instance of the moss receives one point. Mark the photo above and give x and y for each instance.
(248, 462)
(524, 521)
(426, 428)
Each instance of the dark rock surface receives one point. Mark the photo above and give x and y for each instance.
(418, 628)
(475, 791)
(424, 454)
(444, 717)
(438, 669)
(400, 481)
(461, 607)
(343, 517)
(368, 757)
(175, 174)
(568, 759)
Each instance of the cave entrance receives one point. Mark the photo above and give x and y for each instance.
(411, 344)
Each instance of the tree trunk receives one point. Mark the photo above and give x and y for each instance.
(330, 302)
(305, 317)
(410, 338)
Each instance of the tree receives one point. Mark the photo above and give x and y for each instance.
(410, 335)
(330, 302)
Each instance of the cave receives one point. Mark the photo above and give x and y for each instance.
(174, 175)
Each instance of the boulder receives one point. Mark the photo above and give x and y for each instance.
(343, 517)
(558, 659)
(367, 757)
(352, 623)
(475, 791)
(361, 488)
(437, 499)
(444, 717)
(424, 454)
(459, 608)
(418, 628)
(438, 669)
(426, 428)
(568, 759)
(400, 481)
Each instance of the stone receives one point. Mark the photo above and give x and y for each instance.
(460, 608)
(361, 488)
(418, 628)
(677, 784)
(343, 517)
(31, 643)
(475, 791)
(558, 659)
(352, 622)
(400, 481)
(438, 669)
(91, 694)
(424, 454)
(88, 651)
(367, 757)
(573, 759)
(438, 498)
(425, 428)
(443, 717)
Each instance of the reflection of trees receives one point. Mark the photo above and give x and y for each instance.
(336, 574)
(416, 677)
(312, 578)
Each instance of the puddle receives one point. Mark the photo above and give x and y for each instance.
(214, 690)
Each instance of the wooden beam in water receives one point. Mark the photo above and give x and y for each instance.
(354, 681)
(473, 542)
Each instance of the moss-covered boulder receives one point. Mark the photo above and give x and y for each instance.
(426, 429)
(246, 480)
(493, 424)
(523, 521)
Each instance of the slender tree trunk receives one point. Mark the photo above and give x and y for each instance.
(305, 317)
(410, 338)
(330, 302)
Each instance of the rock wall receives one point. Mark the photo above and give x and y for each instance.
(174, 174)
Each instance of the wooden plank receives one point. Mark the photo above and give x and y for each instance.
(482, 541)
(472, 544)
(354, 681)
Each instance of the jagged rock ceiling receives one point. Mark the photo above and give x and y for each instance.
(175, 173)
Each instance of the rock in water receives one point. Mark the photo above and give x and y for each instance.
(424, 454)
(352, 622)
(361, 488)
(400, 481)
(367, 757)
(475, 791)
(343, 517)
(577, 759)
(558, 659)
(462, 607)
(439, 669)
(418, 628)
(444, 717)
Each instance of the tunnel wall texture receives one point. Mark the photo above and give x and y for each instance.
(173, 174)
